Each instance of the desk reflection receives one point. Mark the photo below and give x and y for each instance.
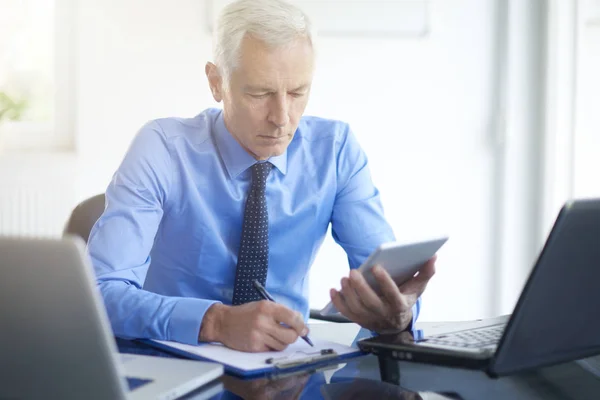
(314, 386)
(290, 387)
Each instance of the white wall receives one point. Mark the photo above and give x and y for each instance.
(420, 107)
(137, 60)
(422, 110)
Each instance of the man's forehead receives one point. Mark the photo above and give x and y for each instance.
(251, 44)
(255, 54)
(266, 68)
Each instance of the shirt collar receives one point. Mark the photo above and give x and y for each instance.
(235, 157)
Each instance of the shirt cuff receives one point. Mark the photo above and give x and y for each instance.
(413, 321)
(416, 310)
(186, 319)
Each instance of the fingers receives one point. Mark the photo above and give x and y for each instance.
(284, 315)
(367, 296)
(389, 289)
(286, 334)
(273, 343)
(339, 302)
(269, 333)
(418, 284)
(260, 326)
(282, 334)
(351, 298)
(427, 271)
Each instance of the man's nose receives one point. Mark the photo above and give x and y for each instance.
(278, 114)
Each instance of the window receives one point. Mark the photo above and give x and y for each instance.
(34, 75)
(587, 126)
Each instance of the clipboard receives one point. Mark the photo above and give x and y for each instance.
(297, 357)
(305, 358)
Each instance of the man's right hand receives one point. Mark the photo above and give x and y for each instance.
(252, 327)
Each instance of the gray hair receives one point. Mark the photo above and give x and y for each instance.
(274, 22)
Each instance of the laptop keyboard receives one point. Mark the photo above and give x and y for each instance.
(474, 338)
(135, 383)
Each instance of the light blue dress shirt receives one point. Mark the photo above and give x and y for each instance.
(165, 248)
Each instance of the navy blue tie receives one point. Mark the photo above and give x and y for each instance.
(253, 256)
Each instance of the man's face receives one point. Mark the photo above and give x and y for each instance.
(267, 95)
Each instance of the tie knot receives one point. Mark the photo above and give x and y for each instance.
(260, 172)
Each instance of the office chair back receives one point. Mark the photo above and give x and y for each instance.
(84, 216)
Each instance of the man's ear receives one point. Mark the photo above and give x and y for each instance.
(215, 81)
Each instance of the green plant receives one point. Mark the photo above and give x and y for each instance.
(10, 108)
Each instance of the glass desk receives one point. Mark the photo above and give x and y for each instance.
(367, 377)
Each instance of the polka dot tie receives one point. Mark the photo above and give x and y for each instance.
(253, 256)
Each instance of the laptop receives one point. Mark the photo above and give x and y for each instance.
(555, 319)
(55, 337)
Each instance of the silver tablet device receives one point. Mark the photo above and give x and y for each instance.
(401, 260)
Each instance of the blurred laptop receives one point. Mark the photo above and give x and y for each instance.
(555, 319)
(55, 338)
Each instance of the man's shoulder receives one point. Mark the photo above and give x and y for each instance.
(313, 128)
(197, 129)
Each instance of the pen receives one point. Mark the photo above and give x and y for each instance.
(265, 295)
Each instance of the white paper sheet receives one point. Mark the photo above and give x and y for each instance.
(255, 361)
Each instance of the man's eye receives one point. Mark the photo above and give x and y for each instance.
(296, 94)
(259, 96)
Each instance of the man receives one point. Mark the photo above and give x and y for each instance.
(202, 207)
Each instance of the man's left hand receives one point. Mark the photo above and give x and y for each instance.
(389, 312)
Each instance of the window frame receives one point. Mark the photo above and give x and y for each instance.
(58, 134)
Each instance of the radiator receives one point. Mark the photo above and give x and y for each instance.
(36, 195)
(34, 210)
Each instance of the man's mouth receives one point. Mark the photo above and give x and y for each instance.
(272, 137)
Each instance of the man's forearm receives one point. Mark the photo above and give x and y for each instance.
(138, 313)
